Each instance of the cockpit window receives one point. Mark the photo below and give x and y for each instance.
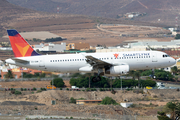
(165, 55)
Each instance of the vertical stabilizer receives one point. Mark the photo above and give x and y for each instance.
(20, 47)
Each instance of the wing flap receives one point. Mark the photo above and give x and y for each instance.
(96, 62)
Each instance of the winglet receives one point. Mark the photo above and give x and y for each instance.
(21, 47)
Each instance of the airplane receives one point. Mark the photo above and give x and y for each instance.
(107, 64)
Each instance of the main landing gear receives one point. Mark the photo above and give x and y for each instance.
(97, 77)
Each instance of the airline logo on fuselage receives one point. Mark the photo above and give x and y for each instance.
(116, 55)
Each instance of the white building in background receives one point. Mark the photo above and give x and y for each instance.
(155, 44)
(117, 49)
(126, 105)
(50, 47)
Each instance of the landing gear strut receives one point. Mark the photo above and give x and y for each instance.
(97, 77)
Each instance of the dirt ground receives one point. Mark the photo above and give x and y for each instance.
(146, 104)
(28, 84)
(81, 29)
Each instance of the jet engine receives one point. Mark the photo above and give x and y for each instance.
(117, 70)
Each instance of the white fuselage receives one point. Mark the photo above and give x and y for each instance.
(137, 60)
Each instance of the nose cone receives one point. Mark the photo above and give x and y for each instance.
(173, 61)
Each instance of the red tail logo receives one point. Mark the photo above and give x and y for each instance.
(20, 47)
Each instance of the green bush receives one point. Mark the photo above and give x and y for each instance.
(88, 89)
(72, 100)
(34, 89)
(25, 89)
(43, 89)
(58, 82)
(17, 92)
(21, 89)
(109, 101)
(60, 88)
(38, 91)
(177, 36)
(67, 89)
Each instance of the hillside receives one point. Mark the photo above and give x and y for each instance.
(76, 28)
(9, 12)
(163, 10)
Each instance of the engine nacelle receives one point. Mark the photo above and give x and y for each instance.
(117, 70)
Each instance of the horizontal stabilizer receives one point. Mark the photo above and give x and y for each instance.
(20, 61)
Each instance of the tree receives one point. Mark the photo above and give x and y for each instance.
(162, 116)
(177, 36)
(131, 73)
(58, 82)
(137, 75)
(89, 76)
(108, 101)
(172, 108)
(174, 70)
(9, 74)
(111, 82)
(72, 100)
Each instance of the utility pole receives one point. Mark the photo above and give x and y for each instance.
(52, 83)
(121, 83)
(89, 82)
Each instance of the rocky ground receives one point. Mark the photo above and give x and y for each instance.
(146, 102)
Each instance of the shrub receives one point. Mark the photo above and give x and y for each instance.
(21, 89)
(88, 89)
(71, 117)
(34, 89)
(72, 100)
(133, 105)
(93, 89)
(58, 82)
(38, 91)
(60, 88)
(109, 101)
(67, 89)
(25, 89)
(43, 89)
(17, 92)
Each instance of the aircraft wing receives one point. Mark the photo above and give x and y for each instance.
(96, 62)
(20, 60)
